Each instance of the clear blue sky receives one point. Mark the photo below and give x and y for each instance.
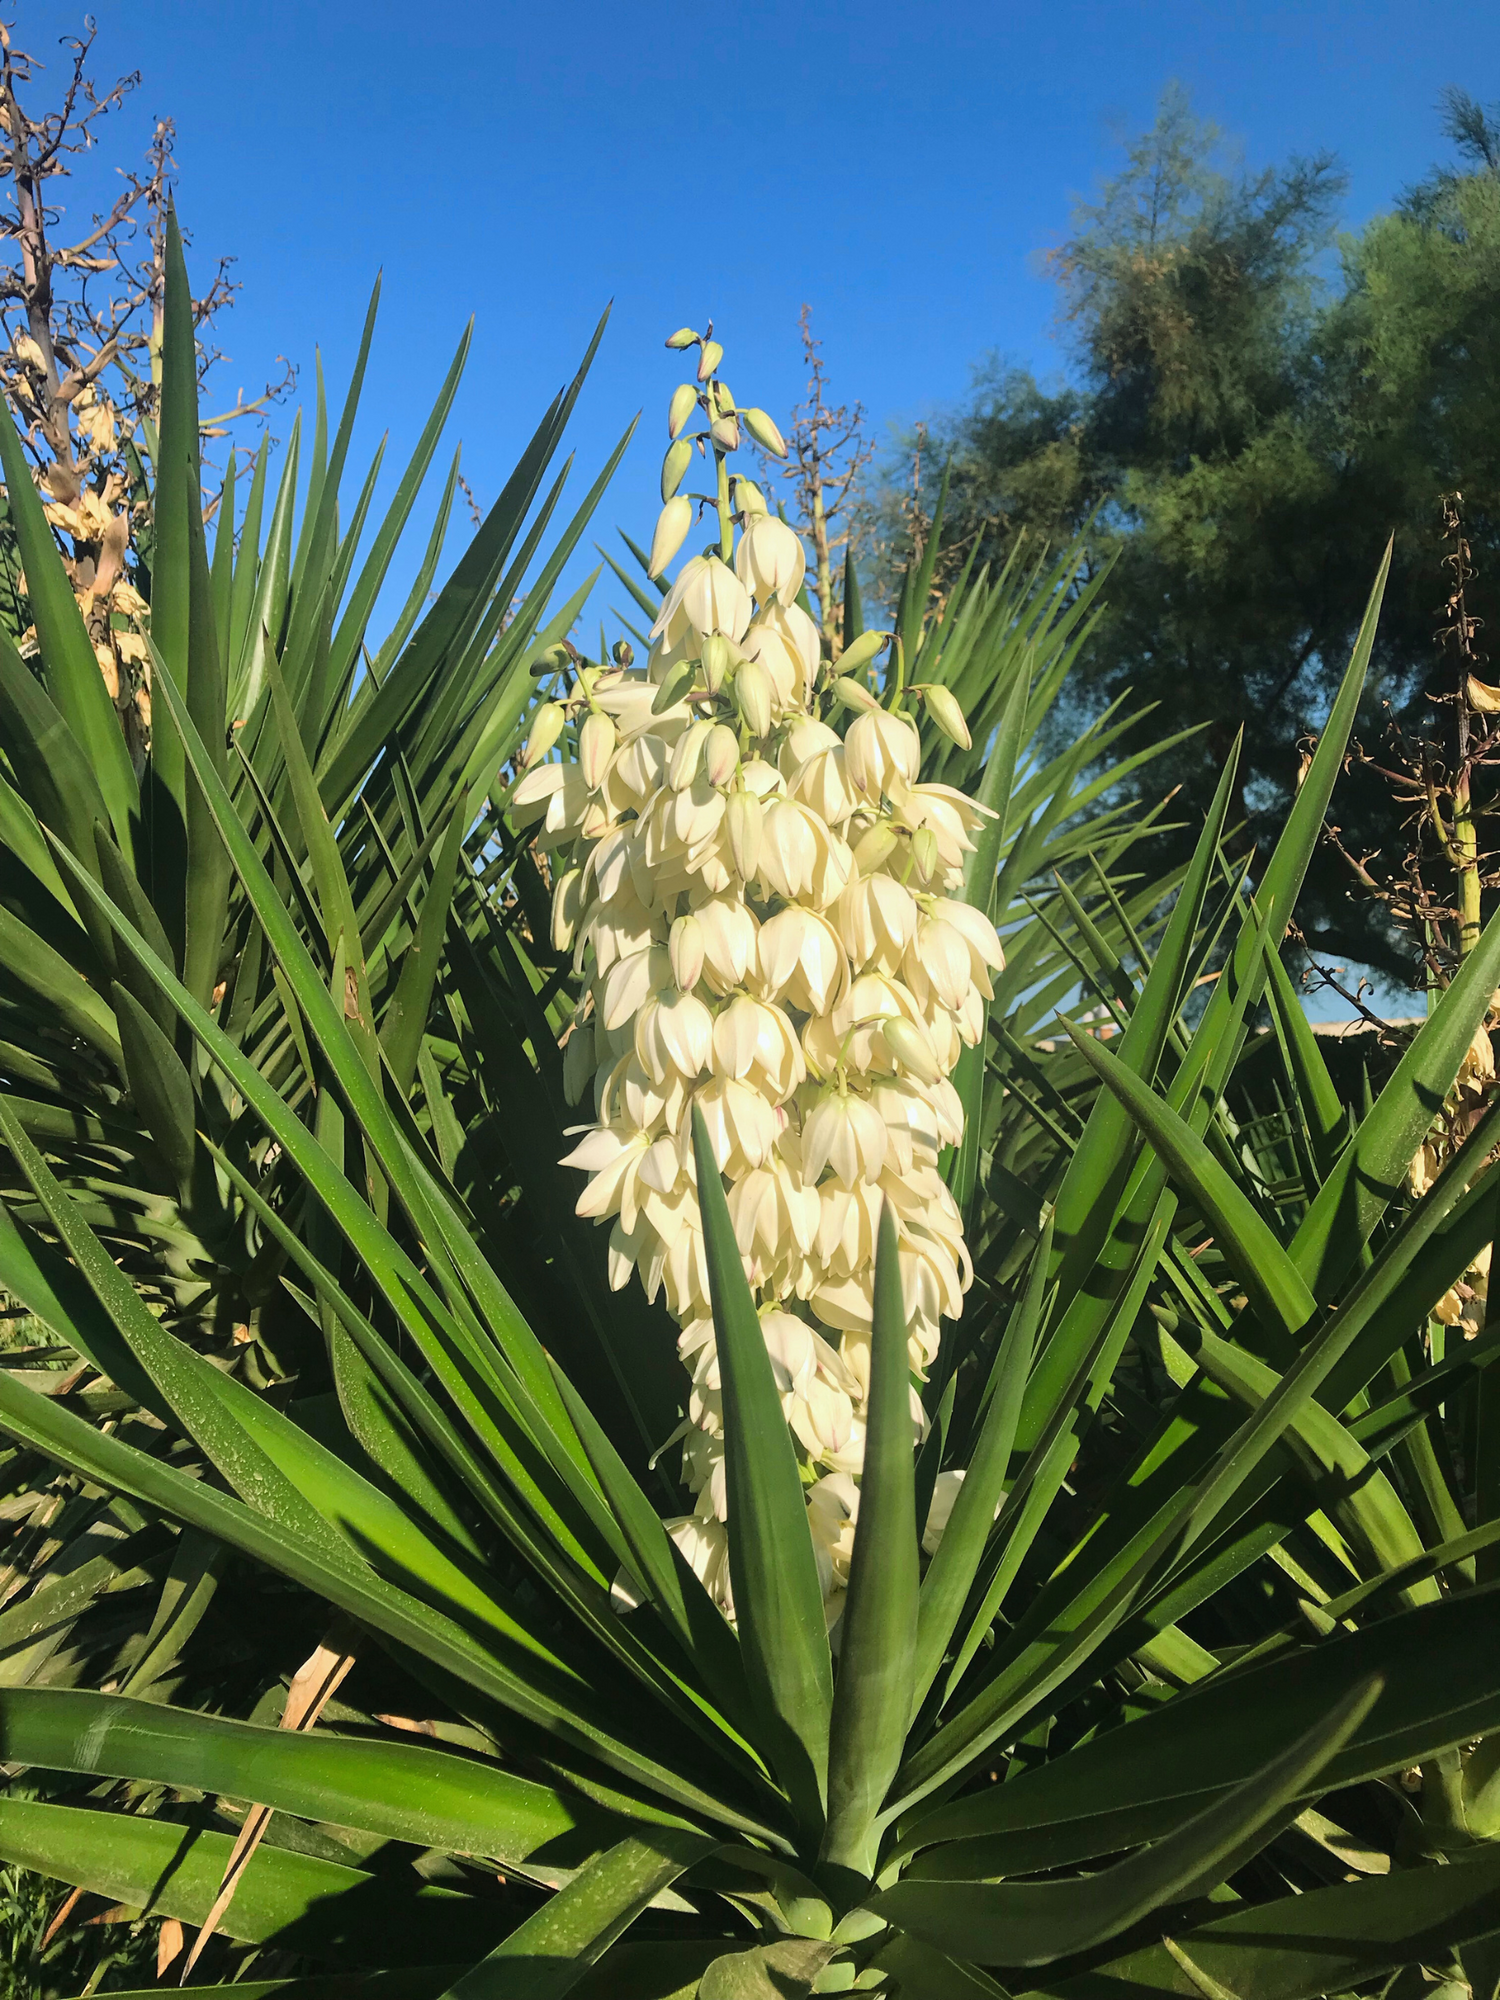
(898, 167)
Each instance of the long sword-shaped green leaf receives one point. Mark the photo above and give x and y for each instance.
(551, 1951)
(1028, 1923)
(777, 1598)
(872, 1700)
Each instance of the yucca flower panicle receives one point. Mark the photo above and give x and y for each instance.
(764, 901)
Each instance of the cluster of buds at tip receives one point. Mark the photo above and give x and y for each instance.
(769, 920)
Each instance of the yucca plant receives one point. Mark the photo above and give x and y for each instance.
(1136, 1723)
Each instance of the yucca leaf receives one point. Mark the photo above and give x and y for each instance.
(872, 1698)
(402, 1791)
(70, 672)
(552, 1950)
(1361, 1494)
(1331, 1940)
(53, 774)
(247, 683)
(777, 1598)
(551, 1698)
(206, 891)
(176, 498)
(1318, 1101)
(1372, 1168)
(160, 1087)
(1136, 1782)
(786, 1970)
(687, 1610)
(1030, 1923)
(352, 624)
(1283, 1303)
(945, 1588)
(304, 1902)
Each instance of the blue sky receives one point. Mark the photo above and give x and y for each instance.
(898, 167)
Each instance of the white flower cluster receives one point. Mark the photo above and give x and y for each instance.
(767, 918)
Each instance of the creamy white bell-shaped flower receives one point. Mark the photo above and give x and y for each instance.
(729, 932)
(797, 632)
(741, 1125)
(877, 918)
(756, 1043)
(812, 763)
(716, 601)
(783, 668)
(801, 960)
(674, 1034)
(596, 745)
(881, 751)
(843, 1133)
(769, 561)
(672, 621)
(798, 855)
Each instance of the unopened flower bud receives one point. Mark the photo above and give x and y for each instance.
(671, 532)
(578, 1063)
(546, 727)
(924, 852)
(743, 822)
(719, 655)
(596, 745)
(674, 687)
(552, 661)
(724, 403)
(684, 402)
(687, 755)
(622, 653)
(748, 498)
(861, 651)
(765, 433)
(567, 902)
(854, 694)
(721, 756)
(942, 706)
(875, 848)
(685, 949)
(726, 433)
(674, 465)
(709, 359)
(683, 337)
(911, 1049)
(752, 697)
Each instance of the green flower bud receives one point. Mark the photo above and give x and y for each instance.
(942, 706)
(674, 687)
(748, 497)
(622, 653)
(684, 402)
(726, 433)
(765, 433)
(911, 1049)
(864, 649)
(674, 465)
(546, 727)
(924, 852)
(875, 848)
(854, 694)
(552, 661)
(709, 359)
(683, 337)
(724, 403)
